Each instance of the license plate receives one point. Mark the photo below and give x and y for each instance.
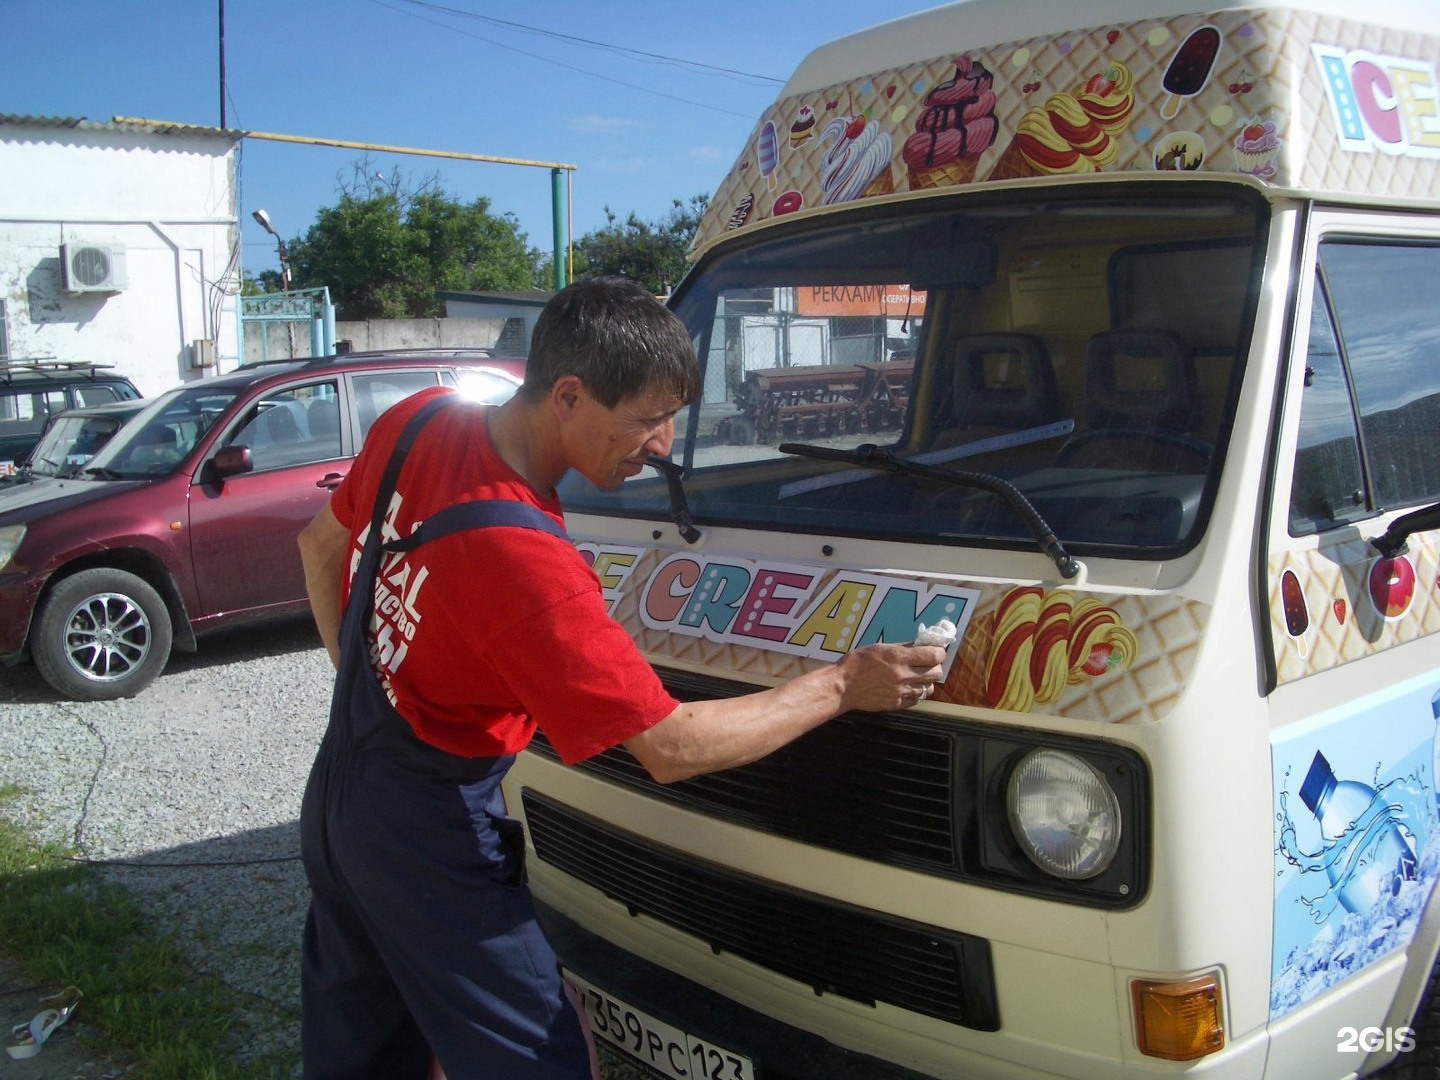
(666, 1049)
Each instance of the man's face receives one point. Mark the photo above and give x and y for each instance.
(610, 445)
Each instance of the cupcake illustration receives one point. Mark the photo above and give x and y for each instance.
(1256, 147)
(803, 127)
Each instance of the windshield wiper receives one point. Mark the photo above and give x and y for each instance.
(104, 473)
(1391, 542)
(870, 456)
(679, 508)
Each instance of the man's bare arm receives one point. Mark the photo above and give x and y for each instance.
(324, 547)
(706, 736)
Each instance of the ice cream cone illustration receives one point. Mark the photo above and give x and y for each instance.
(857, 160)
(957, 126)
(966, 682)
(1074, 132)
(1045, 641)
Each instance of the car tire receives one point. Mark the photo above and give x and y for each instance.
(742, 431)
(101, 634)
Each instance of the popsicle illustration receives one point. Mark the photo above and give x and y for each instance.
(1189, 68)
(1297, 615)
(768, 150)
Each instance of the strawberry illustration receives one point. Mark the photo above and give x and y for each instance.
(1099, 661)
(1101, 83)
(1340, 608)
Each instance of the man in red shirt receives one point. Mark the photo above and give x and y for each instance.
(454, 641)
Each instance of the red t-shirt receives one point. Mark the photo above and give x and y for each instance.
(486, 634)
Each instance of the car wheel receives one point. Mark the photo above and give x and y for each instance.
(101, 634)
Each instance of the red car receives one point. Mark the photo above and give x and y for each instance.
(186, 520)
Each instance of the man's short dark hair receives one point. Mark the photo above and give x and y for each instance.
(617, 338)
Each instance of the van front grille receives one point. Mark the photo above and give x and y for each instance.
(831, 947)
(881, 788)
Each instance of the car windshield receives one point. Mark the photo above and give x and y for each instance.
(71, 440)
(161, 437)
(1083, 348)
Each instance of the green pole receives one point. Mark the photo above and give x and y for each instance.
(557, 207)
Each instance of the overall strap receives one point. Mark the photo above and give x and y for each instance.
(472, 514)
(397, 458)
(477, 514)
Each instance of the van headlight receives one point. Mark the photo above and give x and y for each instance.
(10, 537)
(1064, 814)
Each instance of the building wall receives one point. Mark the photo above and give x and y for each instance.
(167, 201)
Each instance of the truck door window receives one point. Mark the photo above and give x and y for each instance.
(1327, 487)
(1389, 335)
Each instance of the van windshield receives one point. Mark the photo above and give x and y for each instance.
(1083, 348)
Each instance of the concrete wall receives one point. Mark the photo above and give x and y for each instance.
(372, 334)
(166, 200)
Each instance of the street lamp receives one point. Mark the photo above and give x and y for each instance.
(264, 220)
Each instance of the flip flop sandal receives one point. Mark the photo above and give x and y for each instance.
(26, 1040)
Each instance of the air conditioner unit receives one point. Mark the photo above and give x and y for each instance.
(93, 267)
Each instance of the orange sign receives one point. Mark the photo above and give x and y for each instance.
(895, 301)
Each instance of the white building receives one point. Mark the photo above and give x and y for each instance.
(119, 245)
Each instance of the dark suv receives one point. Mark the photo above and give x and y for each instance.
(186, 520)
(31, 391)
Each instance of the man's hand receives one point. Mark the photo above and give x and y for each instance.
(881, 677)
(706, 736)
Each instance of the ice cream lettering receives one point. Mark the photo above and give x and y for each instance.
(857, 160)
(1074, 132)
(957, 126)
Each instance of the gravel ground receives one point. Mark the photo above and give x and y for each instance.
(189, 795)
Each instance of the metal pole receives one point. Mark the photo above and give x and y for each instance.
(222, 64)
(557, 211)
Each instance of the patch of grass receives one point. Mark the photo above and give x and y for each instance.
(66, 926)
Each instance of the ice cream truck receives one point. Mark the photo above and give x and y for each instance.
(1107, 333)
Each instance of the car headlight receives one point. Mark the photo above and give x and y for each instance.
(10, 537)
(1064, 814)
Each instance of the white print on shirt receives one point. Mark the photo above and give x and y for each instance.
(395, 616)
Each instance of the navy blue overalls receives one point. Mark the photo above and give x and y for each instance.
(421, 933)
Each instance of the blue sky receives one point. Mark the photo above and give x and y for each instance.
(471, 76)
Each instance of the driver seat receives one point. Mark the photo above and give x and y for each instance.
(1002, 383)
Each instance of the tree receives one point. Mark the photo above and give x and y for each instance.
(652, 254)
(385, 251)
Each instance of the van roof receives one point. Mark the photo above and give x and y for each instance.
(968, 24)
(1299, 97)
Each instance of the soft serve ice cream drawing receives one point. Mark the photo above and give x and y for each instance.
(1074, 132)
(857, 160)
(957, 126)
